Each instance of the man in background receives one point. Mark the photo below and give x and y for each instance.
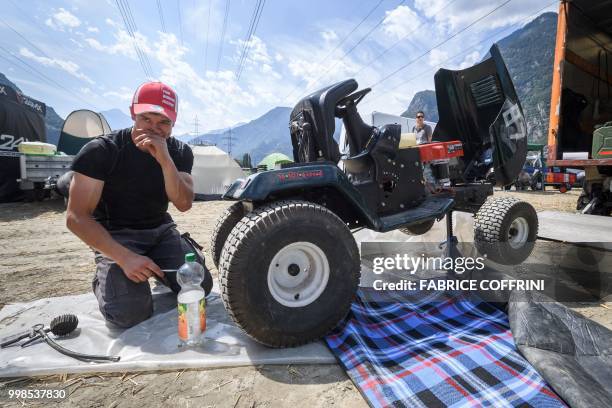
(421, 129)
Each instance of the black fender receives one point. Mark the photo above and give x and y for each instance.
(297, 182)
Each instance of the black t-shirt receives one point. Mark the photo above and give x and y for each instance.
(134, 195)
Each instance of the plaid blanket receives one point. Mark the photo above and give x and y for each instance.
(435, 350)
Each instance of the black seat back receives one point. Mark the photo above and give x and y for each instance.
(358, 133)
(312, 123)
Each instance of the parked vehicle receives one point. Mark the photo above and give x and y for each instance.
(580, 124)
(288, 263)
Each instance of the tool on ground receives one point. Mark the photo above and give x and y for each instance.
(59, 326)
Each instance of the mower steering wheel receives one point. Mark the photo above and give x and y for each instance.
(353, 99)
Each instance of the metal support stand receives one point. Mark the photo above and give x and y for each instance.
(450, 244)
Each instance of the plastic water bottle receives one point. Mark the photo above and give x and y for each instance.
(191, 302)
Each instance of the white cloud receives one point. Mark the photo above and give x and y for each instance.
(329, 35)
(400, 22)
(122, 94)
(437, 56)
(257, 55)
(76, 43)
(124, 44)
(93, 29)
(210, 94)
(459, 14)
(63, 19)
(65, 65)
(470, 59)
(87, 91)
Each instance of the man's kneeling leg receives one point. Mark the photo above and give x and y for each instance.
(122, 302)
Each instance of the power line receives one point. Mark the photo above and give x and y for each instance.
(350, 50)
(248, 36)
(160, 11)
(207, 32)
(130, 26)
(465, 51)
(223, 29)
(37, 24)
(126, 23)
(383, 52)
(440, 44)
(295, 88)
(180, 19)
(134, 30)
(247, 45)
(43, 76)
(25, 39)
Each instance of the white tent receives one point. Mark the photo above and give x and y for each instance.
(213, 171)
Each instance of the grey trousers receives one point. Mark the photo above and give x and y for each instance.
(126, 303)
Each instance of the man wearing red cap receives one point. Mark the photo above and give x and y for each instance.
(118, 204)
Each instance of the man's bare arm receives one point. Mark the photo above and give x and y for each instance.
(85, 193)
(179, 186)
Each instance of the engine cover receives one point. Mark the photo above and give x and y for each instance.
(440, 151)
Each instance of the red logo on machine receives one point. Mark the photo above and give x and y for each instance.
(296, 175)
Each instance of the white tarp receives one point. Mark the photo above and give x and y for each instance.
(213, 170)
(150, 345)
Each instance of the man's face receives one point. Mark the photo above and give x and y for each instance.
(420, 118)
(153, 122)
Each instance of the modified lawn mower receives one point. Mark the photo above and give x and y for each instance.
(288, 263)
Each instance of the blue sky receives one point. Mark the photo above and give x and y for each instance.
(87, 58)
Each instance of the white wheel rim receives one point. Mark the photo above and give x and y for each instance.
(518, 232)
(298, 274)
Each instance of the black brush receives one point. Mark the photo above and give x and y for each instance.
(63, 325)
(60, 326)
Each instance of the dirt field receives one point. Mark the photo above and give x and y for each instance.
(40, 258)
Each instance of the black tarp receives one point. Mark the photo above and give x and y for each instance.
(571, 352)
(21, 119)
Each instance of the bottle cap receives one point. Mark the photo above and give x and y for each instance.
(190, 257)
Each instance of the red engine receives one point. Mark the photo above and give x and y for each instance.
(440, 151)
(435, 158)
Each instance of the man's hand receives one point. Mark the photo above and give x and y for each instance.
(139, 268)
(153, 143)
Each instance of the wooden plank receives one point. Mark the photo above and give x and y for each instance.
(579, 163)
(555, 95)
(585, 66)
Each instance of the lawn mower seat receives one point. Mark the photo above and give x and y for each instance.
(312, 124)
(381, 147)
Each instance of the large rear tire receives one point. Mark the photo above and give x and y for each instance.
(226, 222)
(289, 272)
(505, 230)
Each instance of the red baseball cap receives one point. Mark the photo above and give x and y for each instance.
(155, 97)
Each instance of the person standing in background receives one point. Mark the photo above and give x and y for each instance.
(421, 129)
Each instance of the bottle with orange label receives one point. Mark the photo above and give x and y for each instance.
(191, 302)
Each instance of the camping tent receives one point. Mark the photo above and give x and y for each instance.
(79, 128)
(272, 159)
(213, 171)
(21, 119)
